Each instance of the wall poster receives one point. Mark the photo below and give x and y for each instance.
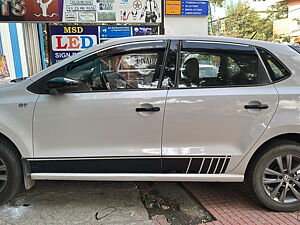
(3, 67)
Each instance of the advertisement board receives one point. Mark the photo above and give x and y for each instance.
(187, 7)
(145, 30)
(194, 8)
(69, 40)
(173, 7)
(85, 11)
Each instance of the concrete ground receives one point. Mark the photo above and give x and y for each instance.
(50, 202)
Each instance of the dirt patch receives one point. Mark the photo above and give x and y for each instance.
(172, 201)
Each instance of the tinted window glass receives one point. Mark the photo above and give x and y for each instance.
(134, 70)
(204, 67)
(84, 73)
(131, 71)
(275, 68)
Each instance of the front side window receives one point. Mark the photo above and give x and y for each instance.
(217, 67)
(139, 70)
(110, 71)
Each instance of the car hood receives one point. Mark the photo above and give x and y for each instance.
(4, 84)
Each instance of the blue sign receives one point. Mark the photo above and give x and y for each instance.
(115, 32)
(194, 8)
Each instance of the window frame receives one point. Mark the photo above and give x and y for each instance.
(296, 48)
(179, 62)
(278, 61)
(38, 87)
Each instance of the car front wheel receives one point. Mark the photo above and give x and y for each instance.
(276, 176)
(10, 171)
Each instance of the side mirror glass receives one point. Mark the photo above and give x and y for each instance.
(60, 85)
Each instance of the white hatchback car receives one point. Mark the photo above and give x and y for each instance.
(121, 111)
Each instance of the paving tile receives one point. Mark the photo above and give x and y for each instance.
(160, 220)
(233, 203)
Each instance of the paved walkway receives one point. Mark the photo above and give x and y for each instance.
(233, 203)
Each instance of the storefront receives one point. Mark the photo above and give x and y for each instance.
(57, 29)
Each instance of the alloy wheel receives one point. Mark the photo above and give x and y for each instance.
(281, 178)
(3, 175)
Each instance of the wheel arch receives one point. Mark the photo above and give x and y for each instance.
(27, 182)
(16, 149)
(24, 150)
(260, 150)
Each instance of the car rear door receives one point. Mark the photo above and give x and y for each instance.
(222, 103)
(113, 122)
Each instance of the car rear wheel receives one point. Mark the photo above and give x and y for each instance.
(276, 176)
(10, 171)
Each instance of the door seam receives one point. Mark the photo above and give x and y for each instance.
(162, 130)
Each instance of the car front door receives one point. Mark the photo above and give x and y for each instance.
(222, 103)
(112, 123)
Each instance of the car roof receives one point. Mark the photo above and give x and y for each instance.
(189, 38)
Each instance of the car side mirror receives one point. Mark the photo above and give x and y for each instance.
(60, 85)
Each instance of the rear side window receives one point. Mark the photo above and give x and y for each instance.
(219, 65)
(275, 68)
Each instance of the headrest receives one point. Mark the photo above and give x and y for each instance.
(191, 68)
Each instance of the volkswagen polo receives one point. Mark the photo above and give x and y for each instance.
(140, 109)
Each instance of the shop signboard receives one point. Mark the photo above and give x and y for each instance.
(69, 40)
(173, 7)
(108, 32)
(81, 11)
(30, 10)
(187, 7)
(145, 30)
(194, 8)
(3, 67)
(115, 32)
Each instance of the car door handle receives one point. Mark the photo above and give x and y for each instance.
(256, 106)
(151, 109)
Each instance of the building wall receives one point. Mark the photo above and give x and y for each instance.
(294, 9)
(186, 25)
(261, 5)
(289, 26)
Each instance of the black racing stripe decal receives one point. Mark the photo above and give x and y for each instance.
(178, 165)
(195, 165)
(189, 165)
(220, 165)
(225, 166)
(99, 166)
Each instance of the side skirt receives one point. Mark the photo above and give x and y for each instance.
(139, 177)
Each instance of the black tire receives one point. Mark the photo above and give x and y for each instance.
(11, 161)
(262, 175)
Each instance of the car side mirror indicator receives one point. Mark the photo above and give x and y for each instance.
(60, 85)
